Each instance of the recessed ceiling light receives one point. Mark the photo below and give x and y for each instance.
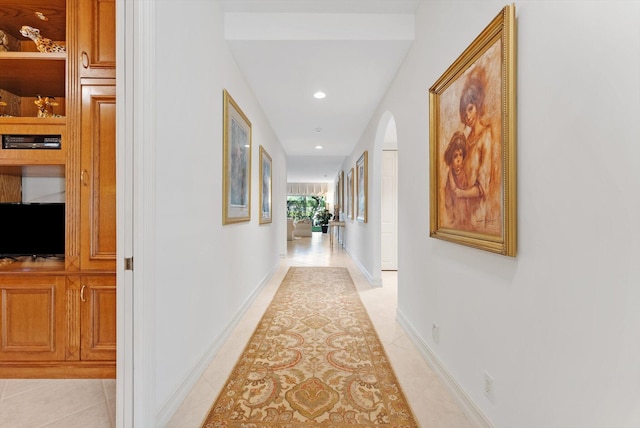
(319, 95)
(319, 147)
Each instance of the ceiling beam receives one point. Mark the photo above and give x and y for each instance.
(318, 26)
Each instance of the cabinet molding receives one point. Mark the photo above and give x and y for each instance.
(73, 318)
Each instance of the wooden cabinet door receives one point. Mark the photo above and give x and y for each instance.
(98, 318)
(32, 318)
(98, 178)
(97, 38)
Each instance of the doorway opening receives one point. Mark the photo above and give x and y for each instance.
(389, 194)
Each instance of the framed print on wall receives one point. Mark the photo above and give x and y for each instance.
(362, 176)
(340, 193)
(349, 201)
(236, 179)
(336, 195)
(472, 143)
(265, 189)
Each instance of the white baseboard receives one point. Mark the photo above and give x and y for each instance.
(174, 401)
(468, 406)
(370, 279)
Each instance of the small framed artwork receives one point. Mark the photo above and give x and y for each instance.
(349, 201)
(340, 192)
(336, 195)
(265, 190)
(472, 143)
(362, 176)
(341, 188)
(236, 179)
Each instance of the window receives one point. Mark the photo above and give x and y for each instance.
(304, 206)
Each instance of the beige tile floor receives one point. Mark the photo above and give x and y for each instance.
(57, 403)
(91, 403)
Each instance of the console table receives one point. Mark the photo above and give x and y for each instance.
(339, 225)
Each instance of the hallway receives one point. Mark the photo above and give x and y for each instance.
(431, 403)
(31, 403)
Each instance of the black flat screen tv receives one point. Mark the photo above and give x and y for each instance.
(32, 229)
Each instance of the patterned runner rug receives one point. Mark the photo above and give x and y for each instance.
(314, 359)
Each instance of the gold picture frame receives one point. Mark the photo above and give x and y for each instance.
(350, 194)
(266, 186)
(362, 178)
(236, 159)
(339, 193)
(472, 143)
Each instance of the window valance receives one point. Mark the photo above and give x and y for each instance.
(307, 189)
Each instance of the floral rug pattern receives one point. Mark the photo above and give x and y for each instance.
(314, 360)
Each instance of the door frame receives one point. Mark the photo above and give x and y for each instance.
(391, 199)
(386, 124)
(135, 173)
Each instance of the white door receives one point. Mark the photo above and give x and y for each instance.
(389, 215)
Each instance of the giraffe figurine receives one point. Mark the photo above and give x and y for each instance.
(42, 43)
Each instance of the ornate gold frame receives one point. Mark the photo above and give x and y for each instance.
(236, 171)
(350, 194)
(339, 196)
(362, 190)
(491, 58)
(265, 216)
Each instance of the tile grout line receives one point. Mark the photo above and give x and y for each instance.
(106, 402)
(31, 389)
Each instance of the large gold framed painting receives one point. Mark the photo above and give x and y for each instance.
(472, 145)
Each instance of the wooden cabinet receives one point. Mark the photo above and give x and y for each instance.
(58, 318)
(98, 318)
(26, 72)
(42, 315)
(32, 318)
(98, 177)
(97, 38)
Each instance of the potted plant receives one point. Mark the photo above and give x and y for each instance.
(323, 217)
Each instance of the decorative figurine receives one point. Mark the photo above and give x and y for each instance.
(45, 106)
(42, 43)
(2, 106)
(4, 42)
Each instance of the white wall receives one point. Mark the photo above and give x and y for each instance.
(43, 189)
(205, 272)
(361, 237)
(363, 240)
(557, 327)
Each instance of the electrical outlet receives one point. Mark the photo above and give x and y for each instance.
(435, 332)
(488, 386)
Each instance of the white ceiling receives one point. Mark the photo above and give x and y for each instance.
(288, 49)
